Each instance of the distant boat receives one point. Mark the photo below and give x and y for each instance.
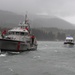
(69, 40)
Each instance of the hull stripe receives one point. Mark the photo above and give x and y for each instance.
(18, 46)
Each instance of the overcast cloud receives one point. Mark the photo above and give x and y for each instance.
(61, 8)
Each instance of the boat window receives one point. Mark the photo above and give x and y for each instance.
(10, 33)
(13, 32)
(21, 26)
(17, 33)
(69, 40)
(22, 33)
(26, 33)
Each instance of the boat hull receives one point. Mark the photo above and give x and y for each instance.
(12, 45)
(71, 43)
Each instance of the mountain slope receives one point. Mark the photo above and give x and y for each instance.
(10, 19)
(53, 22)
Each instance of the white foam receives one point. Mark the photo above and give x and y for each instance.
(36, 57)
(10, 69)
(2, 55)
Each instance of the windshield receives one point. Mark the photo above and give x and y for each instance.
(17, 33)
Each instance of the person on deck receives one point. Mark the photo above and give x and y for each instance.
(3, 33)
(32, 38)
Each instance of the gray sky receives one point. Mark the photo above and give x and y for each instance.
(62, 8)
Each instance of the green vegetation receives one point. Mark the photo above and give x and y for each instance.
(52, 34)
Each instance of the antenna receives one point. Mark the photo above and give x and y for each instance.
(26, 17)
(27, 21)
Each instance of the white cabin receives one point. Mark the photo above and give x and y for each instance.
(69, 38)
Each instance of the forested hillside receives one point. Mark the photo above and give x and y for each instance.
(50, 35)
(10, 19)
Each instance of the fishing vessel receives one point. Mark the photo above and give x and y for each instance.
(69, 40)
(19, 39)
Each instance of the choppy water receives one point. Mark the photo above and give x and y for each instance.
(51, 58)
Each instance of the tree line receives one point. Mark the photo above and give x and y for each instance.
(48, 36)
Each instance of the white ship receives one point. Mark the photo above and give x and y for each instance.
(18, 39)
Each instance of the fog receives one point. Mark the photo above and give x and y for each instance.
(61, 8)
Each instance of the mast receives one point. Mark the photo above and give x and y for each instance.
(27, 22)
(26, 18)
